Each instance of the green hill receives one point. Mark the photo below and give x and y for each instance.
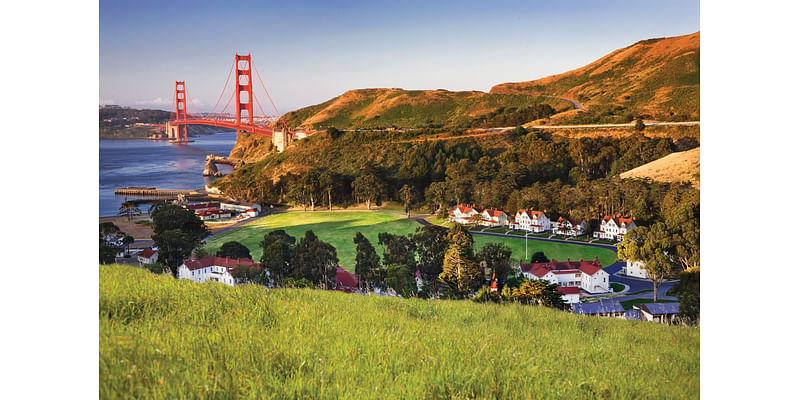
(655, 78)
(161, 338)
(374, 108)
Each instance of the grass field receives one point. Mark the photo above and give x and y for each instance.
(161, 338)
(335, 227)
(340, 227)
(559, 251)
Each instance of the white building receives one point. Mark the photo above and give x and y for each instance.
(587, 275)
(492, 217)
(211, 268)
(635, 269)
(213, 213)
(147, 256)
(242, 207)
(614, 228)
(570, 226)
(532, 221)
(658, 312)
(462, 214)
(570, 294)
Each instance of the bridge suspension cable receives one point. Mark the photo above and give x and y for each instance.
(277, 114)
(224, 87)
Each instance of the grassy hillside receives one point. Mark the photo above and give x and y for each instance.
(161, 338)
(659, 78)
(682, 166)
(370, 108)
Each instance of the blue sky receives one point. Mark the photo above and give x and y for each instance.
(308, 52)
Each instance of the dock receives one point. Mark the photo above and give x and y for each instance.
(150, 191)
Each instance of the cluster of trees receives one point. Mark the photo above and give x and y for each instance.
(176, 232)
(309, 260)
(512, 116)
(525, 291)
(112, 240)
(442, 173)
(667, 247)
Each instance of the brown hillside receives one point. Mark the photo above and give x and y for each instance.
(683, 166)
(656, 78)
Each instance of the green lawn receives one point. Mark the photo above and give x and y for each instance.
(335, 227)
(559, 251)
(163, 338)
(628, 304)
(617, 287)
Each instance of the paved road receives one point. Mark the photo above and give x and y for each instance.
(637, 285)
(653, 123)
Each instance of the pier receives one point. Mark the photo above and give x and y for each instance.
(150, 191)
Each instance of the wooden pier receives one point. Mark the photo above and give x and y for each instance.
(150, 191)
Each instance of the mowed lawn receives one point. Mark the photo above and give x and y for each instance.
(559, 251)
(335, 227)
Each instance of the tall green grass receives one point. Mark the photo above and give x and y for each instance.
(161, 338)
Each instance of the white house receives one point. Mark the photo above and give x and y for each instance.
(532, 221)
(614, 228)
(211, 268)
(570, 226)
(147, 256)
(635, 269)
(570, 294)
(492, 217)
(462, 214)
(587, 275)
(213, 213)
(241, 207)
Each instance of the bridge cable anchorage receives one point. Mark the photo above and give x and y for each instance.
(223, 89)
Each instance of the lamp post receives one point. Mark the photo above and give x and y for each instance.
(526, 245)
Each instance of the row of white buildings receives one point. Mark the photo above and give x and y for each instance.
(611, 228)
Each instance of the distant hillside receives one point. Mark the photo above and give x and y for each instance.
(655, 78)
(162, 338)
(677, 167)
(372, 108)
(130, 123)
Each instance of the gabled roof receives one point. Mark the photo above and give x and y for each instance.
(345, 280)
(600, 307)
(540, 269)
(209, 260)
(493, 212)
(618, 220)
(569, 289)
(464, 209)
(147, 253)
(660, 308)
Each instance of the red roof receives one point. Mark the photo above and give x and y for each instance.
(618, 220)
(569, 289)
(345, 279)
(541, 269)
(209, 260)
(464, 209)
(147, 253)
(492, 212)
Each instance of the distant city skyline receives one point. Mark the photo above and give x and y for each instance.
(308, 52)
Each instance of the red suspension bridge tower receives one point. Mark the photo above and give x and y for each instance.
(243, 119)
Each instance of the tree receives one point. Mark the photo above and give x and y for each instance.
(688, 293)
(650, 245)
(639, 126)
(368, 188)
(328, 183)
(684, 225)
(247, 273)
(459, 270)
(199, 251)
(233, 249)
(497, 256)
(127, 241)
(155, 206)
(129, 208)
(539, 292)
(430, 242)
(177, 231)
(398, 249)
(400, 278)
(407, 195)
(312, 186)
(156, 268)
(368, 264)
(539, 256)
(315, 260)
(278, 255)
(108, 232)
(476, 219)
(436, 194)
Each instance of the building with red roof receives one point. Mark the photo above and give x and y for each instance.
(345, 281)
(614, 228)
(570, 294)
(532, 221)
(493, 217)
(462, 214)
(570, 226)
(147, 256)
(586, 275)
(215, 269)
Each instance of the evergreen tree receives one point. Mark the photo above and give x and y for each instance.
(368, 264)
(315, 260)
(277, 255)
